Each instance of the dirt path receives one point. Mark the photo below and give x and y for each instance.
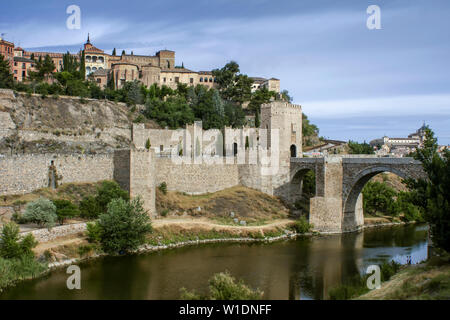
(209, 225)
(186, 223)
(43, 246)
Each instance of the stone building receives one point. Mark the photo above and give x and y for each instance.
(95, 58)
(7, 50)
(400, 146)
(22, 66)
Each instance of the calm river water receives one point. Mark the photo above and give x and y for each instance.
(297, 269)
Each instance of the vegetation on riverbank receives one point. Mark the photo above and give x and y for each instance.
(223, 286)
(357, 285)
(426, 281)
(17, 261)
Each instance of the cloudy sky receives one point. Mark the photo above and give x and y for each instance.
(354, 83)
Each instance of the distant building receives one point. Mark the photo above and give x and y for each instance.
(399, 146)
(101, 67)
(7, 50)
(22, 66)
(271, 84)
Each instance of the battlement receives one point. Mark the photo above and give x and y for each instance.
(281, 104)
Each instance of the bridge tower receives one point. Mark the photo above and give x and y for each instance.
(283, 122)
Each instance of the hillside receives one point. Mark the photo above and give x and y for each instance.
(36, 124)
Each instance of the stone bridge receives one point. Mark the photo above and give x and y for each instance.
(337, 204)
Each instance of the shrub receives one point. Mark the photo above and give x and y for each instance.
(147, 144)
(302, 225)
(13, 270)
(378, 197)
(84, 250)
(108, 191)
(89, 208)
(388, 269)
(223, 286)
(65, 209)
(125, 225)
(94, 232)
(164, 212)
(163, 187)
(41, 211)
(11, 246)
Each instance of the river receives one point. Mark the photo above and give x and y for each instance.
(305, 268)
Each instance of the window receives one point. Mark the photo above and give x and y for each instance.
(24, 73)
(201, 79)
(23, 66)
(210, 79)
(164, 79)
(161, 148)
(99, 80)
(191, 80)
(177, 79)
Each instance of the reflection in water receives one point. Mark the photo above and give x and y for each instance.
(302, 269)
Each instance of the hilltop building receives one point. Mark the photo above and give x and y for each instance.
(400, 146)
(160, 68)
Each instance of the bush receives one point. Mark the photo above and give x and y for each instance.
(11, 246)
(388, 269)
(89, 208)
(302, 225)
(378, 197)
(163, 187)
(125, 226)
(84, 250)
(65, 210)
(108, 191)
(41, 211)
(94, 232)
(223, 286)
(13, 270)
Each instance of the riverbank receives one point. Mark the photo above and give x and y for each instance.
(426, 281)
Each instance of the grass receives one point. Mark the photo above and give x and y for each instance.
(14, 270)
(427, 281)
(71, 191)
(176, 234)
(249, 205)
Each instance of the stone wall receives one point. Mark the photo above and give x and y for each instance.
(195, 178)
(24, 173)
(45, 235)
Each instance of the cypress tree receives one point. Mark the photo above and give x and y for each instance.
(114, 52)
(6, 77)
(83, 66)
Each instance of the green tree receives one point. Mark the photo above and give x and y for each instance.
(147, 144)
(259, 97)
(433, 194)
(45, 67)
(83, 65)
(41, 211)
(360, 148)
(6, 77)
(89, 208)
(223, 286)
(12, 245)
(125, 225)
(108, 191)
(114, 52)
(233, 86)
(285, 96)
(378, 197)
(65, 209)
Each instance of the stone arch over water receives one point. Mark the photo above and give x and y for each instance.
(351, 216)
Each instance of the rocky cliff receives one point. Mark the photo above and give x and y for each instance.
(34, 124)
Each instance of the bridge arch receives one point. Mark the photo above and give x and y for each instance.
(352, 217)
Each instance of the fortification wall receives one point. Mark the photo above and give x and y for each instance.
(195, 178)
(24, 173)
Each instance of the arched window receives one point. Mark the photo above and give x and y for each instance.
(201, 79)
(293, 151)
(210, 79)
